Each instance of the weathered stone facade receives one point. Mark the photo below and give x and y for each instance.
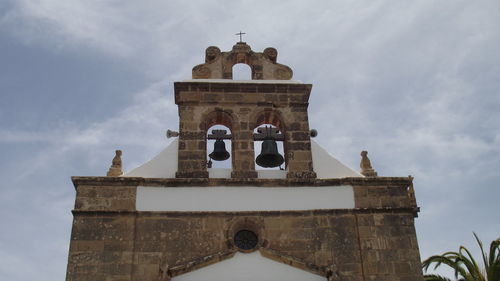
(113, 241)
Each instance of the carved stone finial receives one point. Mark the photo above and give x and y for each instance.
(366, 165)
(211, 53)
(116, 165)
(271, 54)
(411, 193)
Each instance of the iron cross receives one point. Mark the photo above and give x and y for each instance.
(241, 33)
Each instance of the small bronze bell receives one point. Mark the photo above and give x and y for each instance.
(269, 156)
(220, 153)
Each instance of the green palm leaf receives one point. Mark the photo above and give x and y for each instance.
(465, 266)
(434, 277)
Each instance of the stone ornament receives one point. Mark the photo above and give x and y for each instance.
(116, 165)
(250, 227)
(366, 165)
(271, 54)
(219, 65)
(211, 53)
(411, 193)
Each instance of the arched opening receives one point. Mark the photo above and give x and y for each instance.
(219, 125)
(242, 71)
(268, 116)
(259, 145)
(273, 120)
(219, 152)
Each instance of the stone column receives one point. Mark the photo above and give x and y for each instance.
(298, 145)
(192, 146)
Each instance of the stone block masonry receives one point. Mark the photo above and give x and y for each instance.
(111, 240)
(242, 107)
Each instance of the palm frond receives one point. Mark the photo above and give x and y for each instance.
(473, 269)
(493, 271)
(449, 259)
(465, 266)
(485, 256)
(434, 277)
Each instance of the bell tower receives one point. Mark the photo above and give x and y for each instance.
(178, 218)
(211, 98)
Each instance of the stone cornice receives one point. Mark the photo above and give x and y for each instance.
(172, 214)
(183, 182)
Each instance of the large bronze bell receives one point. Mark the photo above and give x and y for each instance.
(220, 153)
(269, 156)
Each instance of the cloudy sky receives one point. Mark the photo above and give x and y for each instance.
(416, 83)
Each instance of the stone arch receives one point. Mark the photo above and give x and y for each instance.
(218, 117)
(226, 118)
(275, 118)
(268, 116)
(242, 57)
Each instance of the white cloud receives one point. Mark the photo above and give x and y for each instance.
(89, 23)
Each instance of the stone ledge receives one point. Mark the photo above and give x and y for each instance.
(172, 214)
(242, 86)
(289, 182)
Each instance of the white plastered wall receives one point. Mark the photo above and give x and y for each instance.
(243, 198)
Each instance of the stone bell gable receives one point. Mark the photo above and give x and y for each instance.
(308, 218)
(242, 107)
(219, 65)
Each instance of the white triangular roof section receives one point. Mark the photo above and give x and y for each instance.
(164, 165)
(248, 267)
(327, 166)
